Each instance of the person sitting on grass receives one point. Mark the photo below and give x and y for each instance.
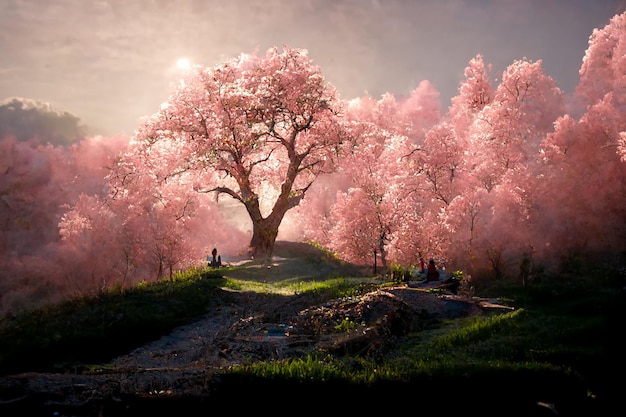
(433, 274)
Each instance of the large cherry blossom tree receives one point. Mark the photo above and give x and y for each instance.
(259, 129)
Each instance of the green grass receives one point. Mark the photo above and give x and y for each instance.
(562, 342)
(511, 340)
(92, 329)
(560, 347)
(81, 332)
(330, 288)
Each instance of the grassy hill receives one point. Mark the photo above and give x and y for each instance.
(560, 346)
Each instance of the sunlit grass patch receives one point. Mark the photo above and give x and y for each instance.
(311, 367)
(507, 342)
(480, 328)
(332, 287)
(356, 370)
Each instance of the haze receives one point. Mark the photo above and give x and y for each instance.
(113, 62)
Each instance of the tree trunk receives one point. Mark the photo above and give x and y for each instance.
(264, 233)
(265, 229)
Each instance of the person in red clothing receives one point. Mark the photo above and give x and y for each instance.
(433, 274)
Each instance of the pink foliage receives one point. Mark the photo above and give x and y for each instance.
(37, 185)
(258, 129)
(507, 175)
(604, 65)
(585, 184)
(475, 91)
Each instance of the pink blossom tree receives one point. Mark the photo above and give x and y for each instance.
(366, 218)
(378, 180)
(37, 186)
(475, 92)
(508, 130)
(583, 183)
(439, 162)
(257, 129)
(582, 187)
(498, 138)
(603, 69)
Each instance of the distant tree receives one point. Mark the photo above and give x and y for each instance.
(604, 64)
(417, 113)
(581, 191)
(507, 132)
(376, 182)
(466, 221)
(498, 137)
(475, 92)
(367, 218)
(439, 163)
(32, 191)
(583, 184)
(36, 121)
(257, 129)
(141, 236)
(38, 184)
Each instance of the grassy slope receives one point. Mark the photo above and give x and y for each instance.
(561, 345)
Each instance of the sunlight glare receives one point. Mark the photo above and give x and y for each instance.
(183, 64)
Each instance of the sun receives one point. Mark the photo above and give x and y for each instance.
(183, 64)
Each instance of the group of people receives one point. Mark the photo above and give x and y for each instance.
(432, 274)
(429, 271)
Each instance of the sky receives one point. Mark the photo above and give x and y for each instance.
(113, 62)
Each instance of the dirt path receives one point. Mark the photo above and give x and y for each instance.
(265, 327)
(253, 327)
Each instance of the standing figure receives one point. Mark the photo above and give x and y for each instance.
(214, 260)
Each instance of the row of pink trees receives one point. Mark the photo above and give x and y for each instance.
(505, 175)
(510, 172)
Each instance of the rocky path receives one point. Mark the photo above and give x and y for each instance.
(185, 363)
